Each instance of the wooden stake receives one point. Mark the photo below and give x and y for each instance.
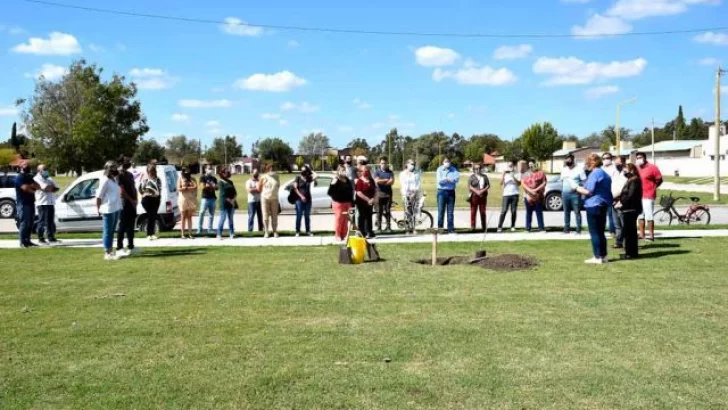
(434, 247)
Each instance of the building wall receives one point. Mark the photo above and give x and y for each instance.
(689, 167)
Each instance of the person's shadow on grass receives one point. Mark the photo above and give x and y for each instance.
(662, 254)
(168, 253)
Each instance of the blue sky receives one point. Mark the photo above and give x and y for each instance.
(206, 80)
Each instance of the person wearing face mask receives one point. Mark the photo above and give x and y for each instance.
(208, 182)
(384, 177)
(25, 189)
(611, 169)
(302, 186)
(366, 192)
(651, 180)
(254, 206)
(598, 193)
(629, 205)
(510, 184)
(533, 181)
(571, 174)
(127, 217)
(341, 193)
(411, 190)
(228, 203)
(269, 186)
(109, 204)
(618, 181)
(150, 188)
(45, 198)
(447, 180)
(187, 188)
(351, 170)
(478, 186)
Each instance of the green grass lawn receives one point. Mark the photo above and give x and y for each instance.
(289, 328)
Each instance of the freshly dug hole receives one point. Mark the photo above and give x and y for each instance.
(505, 262)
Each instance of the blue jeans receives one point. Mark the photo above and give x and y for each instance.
(572, 203)
(303, 209)
(538, 208)
(207, 206)
(229, 214)
(26, 217)
(110, 222)
(446, 200)
(255, 209)
(610, 215)
(596, 217)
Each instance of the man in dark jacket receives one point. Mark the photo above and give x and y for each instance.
(127, 219)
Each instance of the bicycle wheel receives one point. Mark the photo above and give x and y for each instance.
(663, 218)
(425, 221)
(700, 217)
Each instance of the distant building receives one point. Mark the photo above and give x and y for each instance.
(556, 163)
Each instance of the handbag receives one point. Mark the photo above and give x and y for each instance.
(292, 196)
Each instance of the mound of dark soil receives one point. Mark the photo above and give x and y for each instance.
(498, 263)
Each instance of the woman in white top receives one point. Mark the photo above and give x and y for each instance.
(510, 184)
(108, 203)
(411, 188)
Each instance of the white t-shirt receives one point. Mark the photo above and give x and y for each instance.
(42, 197)
(569, 175)
(253, 196)
(409, 183)
(110, 196)
(510, 186)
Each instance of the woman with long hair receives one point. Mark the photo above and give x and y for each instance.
(187, 188)
(269, 186)
(629, 204)
(303, 185)
(598, 193)
(108, 204)
(341, 193)
(366, 192)
(150, 188)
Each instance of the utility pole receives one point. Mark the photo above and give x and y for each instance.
(653, 140)
(716, 194)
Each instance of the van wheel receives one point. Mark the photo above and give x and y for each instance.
(554, 202)
(142, 225)
(7, 209)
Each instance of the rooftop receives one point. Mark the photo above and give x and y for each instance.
(669, 146)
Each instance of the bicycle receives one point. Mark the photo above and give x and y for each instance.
(414, 218)
(696, 213)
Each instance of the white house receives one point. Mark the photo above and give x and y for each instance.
(689, 158)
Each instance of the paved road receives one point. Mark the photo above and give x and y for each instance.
(462, 220)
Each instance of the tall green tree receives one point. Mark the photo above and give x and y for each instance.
(17, 141)
(300, 162)
(276, 150)
(313, 144)
(181, 151)
(540, 141)
(7, 156)
(481, 144)
(696, 130)
(332, 161)
(81, 121)
(680, 125)
(148, 150)
(224, 150)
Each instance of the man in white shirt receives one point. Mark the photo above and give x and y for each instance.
(613, 173)
(45, 199)
(411, 188)
(572, 177)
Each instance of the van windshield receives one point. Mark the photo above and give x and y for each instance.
(171, 177)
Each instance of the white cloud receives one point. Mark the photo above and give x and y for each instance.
(718, 39)
(236, 27)
(152, 78)
(212, 124)
(12, 30)
(270, 116)
(213, 131)
(205, 103)
(640, 9)
(180, 117)
(293, 43)
(8, 111)
(451, 116)
(50, 72)
(279, 82)
(96, 48)
(599, 25)
(512, 52)
(345, 128)
(709, 61)
(283, 123)
(572, 71)
(431, 56)
(60, 44)
(598, 92)
(303, 107)
(393, 117)
(362, 105)
(576, 1)
(475, 75)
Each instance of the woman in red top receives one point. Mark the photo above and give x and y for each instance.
(366, 191)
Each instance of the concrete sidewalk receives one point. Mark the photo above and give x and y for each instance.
(384, 240)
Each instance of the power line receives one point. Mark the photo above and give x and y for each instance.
(371, 32)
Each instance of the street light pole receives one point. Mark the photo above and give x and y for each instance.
(617, 128)
(653, 140)
(716, 188)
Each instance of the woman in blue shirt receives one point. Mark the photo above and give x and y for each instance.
(598, 193)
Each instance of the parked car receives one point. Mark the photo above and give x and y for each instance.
(553, 201)
(76, 207)
(7, 195)
(320, 200)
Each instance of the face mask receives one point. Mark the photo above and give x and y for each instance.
(126, 166)
(26, 170)
(569, 163)
(607, 162)
(446, 164)
(348, 162)
(209, 172)
(256, 175)
(640, 161)
(628, 175)
(620, 167)
(115, 173)
(186, 174)
(45, 173)
(410, 167)
(532, 167)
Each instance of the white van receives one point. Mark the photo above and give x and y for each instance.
(76, 206)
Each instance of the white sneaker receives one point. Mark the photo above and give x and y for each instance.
(232, 236)
(500, 230)
(593, 261)
(265, 235)
(150, 238)
(219, 237)
(513, 229)
(297, 234)
(309, 234)
(133, 252)
(154, 237)
(111, 257)
(122, 253)
(275, 235)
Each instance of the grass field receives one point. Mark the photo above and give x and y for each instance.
(289, 328)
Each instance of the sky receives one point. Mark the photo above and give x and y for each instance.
(208, 80)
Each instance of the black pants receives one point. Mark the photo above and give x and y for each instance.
(509, 203)
(151, 207)
(365, 219)
(629, 233)
(127, 219)
(47, 222)
(385, 209)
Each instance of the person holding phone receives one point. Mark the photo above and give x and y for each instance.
(598, 193)
(208, 182)
(302, 186)
(187, 188)
(510, 184)
(228, 203)
(108, 205)
(447, 181)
